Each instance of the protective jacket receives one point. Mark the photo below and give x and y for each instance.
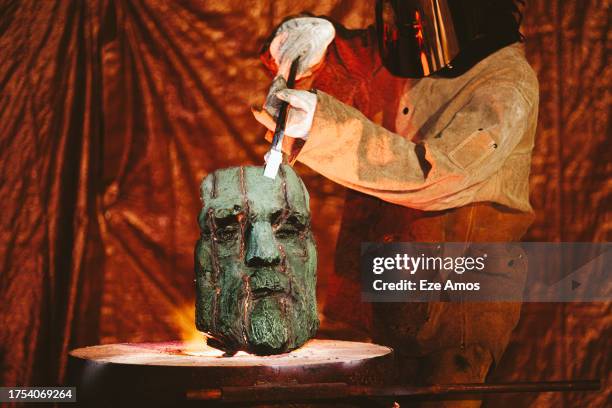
(429, 160)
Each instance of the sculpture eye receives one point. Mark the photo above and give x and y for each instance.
(286, 231)
(226, 233)
(227, 228)
(289, 227)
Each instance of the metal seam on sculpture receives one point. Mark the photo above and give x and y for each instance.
(284, 270)
(283, 260)
(216, 268)
(283, 300)
(245, 210)
(246, 279)
(302, 235)
(283, 263)
(285, 213)
(213, 193)
(246, 306)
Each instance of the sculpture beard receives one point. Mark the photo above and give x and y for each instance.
(255, 262)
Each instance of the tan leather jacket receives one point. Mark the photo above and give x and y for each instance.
(456, 140)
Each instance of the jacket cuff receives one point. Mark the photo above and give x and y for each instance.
(323, 128)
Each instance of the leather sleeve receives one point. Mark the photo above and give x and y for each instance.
(345, 146)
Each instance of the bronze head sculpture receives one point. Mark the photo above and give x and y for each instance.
(255, 262)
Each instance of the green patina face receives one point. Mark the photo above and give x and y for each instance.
(255, 262)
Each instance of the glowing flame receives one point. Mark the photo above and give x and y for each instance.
(195, 341)
(184, 318)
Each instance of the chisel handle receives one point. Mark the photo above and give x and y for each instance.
(279, 131)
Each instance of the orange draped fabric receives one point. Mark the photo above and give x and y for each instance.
(112, 111)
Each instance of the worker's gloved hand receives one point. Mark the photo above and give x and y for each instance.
(306, 37)
(302, 106)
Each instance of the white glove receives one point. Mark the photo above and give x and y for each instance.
(307, 37)
(303, 105)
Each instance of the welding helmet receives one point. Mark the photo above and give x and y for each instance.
(417, 38)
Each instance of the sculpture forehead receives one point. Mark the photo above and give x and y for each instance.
(229, 190)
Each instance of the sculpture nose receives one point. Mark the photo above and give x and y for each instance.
(261, 249)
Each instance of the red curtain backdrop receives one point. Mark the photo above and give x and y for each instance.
(111, 112)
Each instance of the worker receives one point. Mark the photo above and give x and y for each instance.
(428, 118)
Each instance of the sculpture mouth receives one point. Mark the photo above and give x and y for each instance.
(269, 283)
(265, 292)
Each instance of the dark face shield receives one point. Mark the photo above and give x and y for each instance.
(416, 37)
